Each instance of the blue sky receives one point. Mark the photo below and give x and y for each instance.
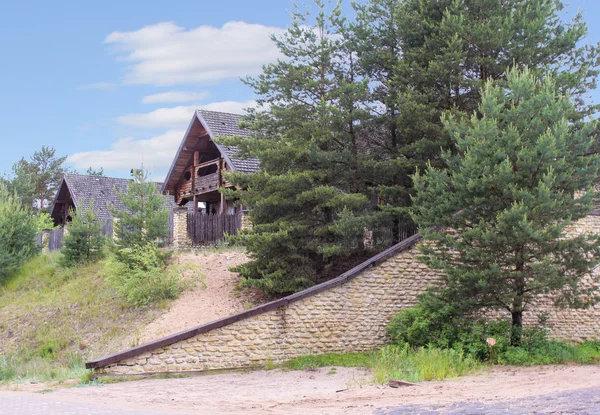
(114, 83)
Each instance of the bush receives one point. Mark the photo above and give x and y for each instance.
(18, 231)
(84, 240)
(429, 325)
(141, 276)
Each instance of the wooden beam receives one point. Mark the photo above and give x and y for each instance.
(207, 163)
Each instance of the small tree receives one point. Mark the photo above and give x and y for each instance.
(507, 198)
(36, 180)
(18, 231)
(146, 215)
(84, 240)
(93, 172)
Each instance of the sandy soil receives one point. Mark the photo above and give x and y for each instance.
(207, 302)
(347, 391)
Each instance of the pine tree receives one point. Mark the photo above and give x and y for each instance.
(93, 172)
(306, 205)
(83, 241)
(18, 231)
(425, 57)
(356, 106)
(497, 218)
(36, 181)
(146, 215)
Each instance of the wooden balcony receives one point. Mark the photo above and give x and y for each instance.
(208, 183)
(195, 185)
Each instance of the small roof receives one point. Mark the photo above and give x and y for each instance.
(212, 124)
(103, 191)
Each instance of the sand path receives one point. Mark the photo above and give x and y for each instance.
(202, 304)
(347, 391)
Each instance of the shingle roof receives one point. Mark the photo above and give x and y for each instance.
(102, 191)
(224, 124)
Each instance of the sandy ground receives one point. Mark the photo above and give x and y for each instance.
(202, 304)
(347, 391)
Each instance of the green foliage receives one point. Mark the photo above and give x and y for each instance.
(330, 359)
(18, 368)
(83, 241)
(306, 208)
(18, 232)
(140, 275)
(92, 172)
(397, 363)
(300, 231)
(354, 110)
(430, 326)
(44, 221)
(422, 364)
(508, 198)
(36, 181)
(146, 215)
(65, 316)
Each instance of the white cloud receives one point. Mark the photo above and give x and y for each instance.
(233, 107)
(156, 153)
(166, 54)
(179, 117)
(176, 117)
(175, 96)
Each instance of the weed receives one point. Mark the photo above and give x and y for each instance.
(332, 359)
(393, 362)
(404, 363)
(270, 365)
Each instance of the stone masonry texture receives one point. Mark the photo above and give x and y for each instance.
(351, 317)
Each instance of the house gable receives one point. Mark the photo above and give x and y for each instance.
(78, 191)
(196, 171)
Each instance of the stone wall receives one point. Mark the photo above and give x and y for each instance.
(181, 239)
(348, 314)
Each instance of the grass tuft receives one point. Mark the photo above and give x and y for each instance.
(397, 363)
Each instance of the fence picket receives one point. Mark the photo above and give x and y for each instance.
(204, 228)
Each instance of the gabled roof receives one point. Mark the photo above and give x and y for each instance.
(103, 191)
(211, 124)
(228, 125)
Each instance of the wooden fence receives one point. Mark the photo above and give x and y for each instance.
(384, 238)
(203, 229)
(55, 236)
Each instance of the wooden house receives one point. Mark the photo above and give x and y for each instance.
(197, 170)
(78, 191)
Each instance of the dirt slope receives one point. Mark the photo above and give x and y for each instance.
(214, 299)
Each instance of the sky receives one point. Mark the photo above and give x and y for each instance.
(114, 84)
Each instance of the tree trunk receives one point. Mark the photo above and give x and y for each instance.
(517, 327)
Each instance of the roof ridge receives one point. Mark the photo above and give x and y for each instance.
(220, 112)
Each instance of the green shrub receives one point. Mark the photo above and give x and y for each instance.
(84, 240)
(18, 231)
(141, 276)
(436, 325)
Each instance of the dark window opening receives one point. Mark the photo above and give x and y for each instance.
(187, 175)
(205, 171)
